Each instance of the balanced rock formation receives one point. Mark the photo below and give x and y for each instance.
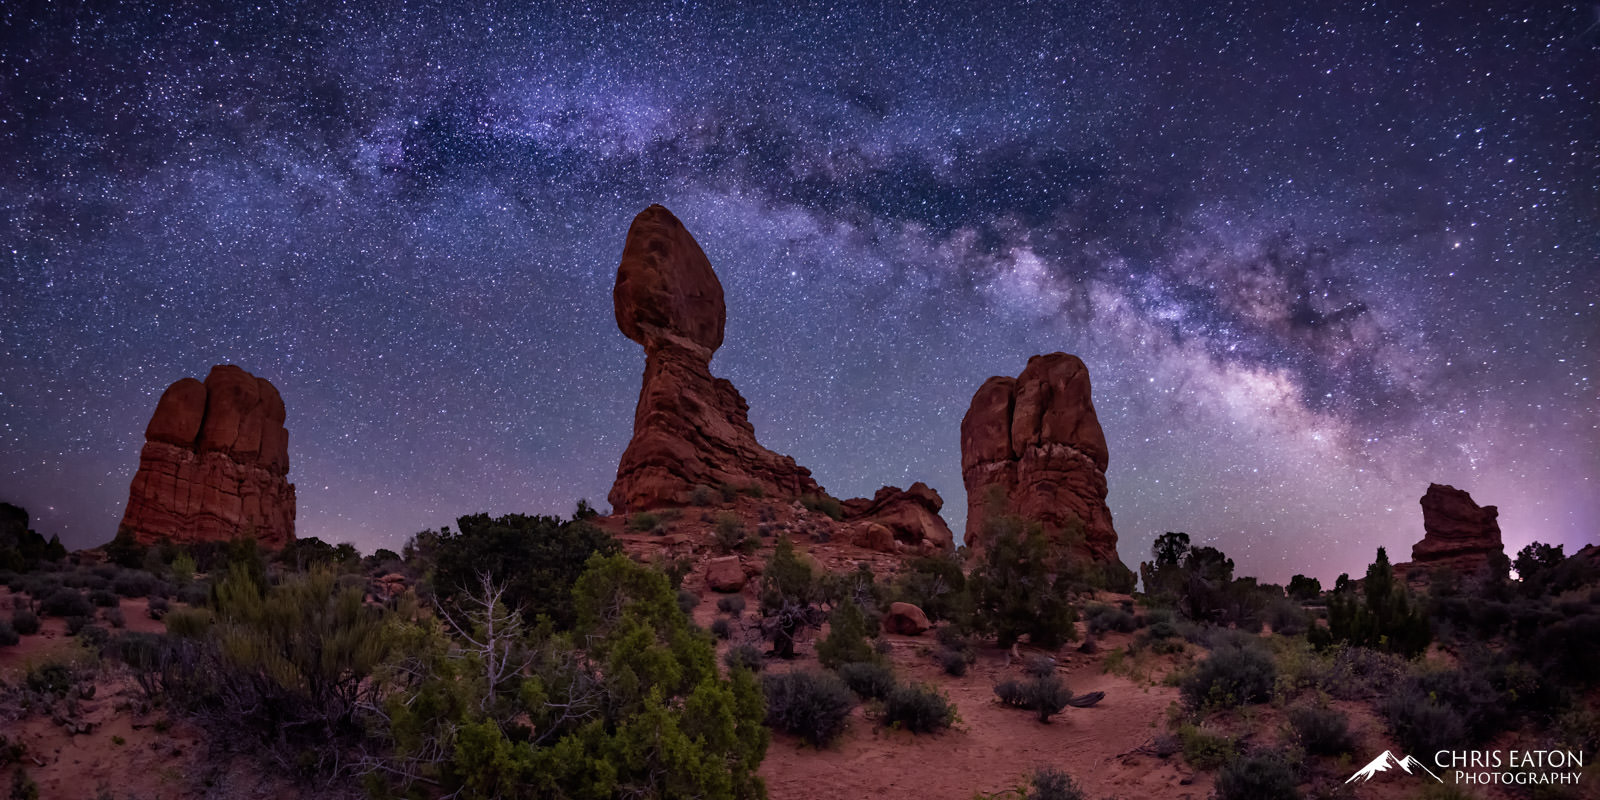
(1032, 447)
(214, 464)
(690, 429)
(905, 515)
(1459, 536)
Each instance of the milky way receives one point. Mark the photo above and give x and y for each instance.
(1315, 257)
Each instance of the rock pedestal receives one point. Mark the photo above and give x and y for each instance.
(690, 429)
(1032, 447)
(214, 465)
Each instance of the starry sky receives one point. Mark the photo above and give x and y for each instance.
(1315, 255)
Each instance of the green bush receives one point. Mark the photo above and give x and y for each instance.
(846, 641)
(1322, 731)
(1383, 616)
(1045, 695)
(64, 602)
(1205, 750)
(938, 585)
(644, 522)
(823, 504)
(1431, 710)
(744, 656)
(134, 583)
(1053, 784)
(870, 680)
(789, 596)
(730, 535)
(536, 558)
(954, 662)
(812, 705)
(1103, 618)
(1234, 674)
(1260, 775)
(1013, 590)
(918, 708)
(25, 622)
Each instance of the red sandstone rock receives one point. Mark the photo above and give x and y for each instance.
(725, 574)
(1458, 535)
(1031, 446)
(872, 536)
(910, 515)
(214, 464)
(905, 619)
(690, 429)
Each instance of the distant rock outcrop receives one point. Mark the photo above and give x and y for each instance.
(908, 515)
(690, 429)
(1459, 536)
(214, 464)
(1032, 447)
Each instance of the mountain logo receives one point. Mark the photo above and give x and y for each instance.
(1386, 762)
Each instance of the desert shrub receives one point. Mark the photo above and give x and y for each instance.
(1204, 750)
(1261, 775)
(1383, 616)
(8, 634)
(644, 522)
(104, 598)
(22, 786)
(93, 636)
(870, 680)
(823, 504)
(196, 593)
(1046, 696)
(954, 662)
(536, 558)
(731, 604)
(1052, 784)
(1103, 618)
(64, 602)
(789, 596)
(25, 622)
(1431, 710)
(55, 678)
(730, 535)
(846, 641)
(702, 496)
(1321, 731)
(918, 708)
(134, 583)
(1234, 674)
(641, 712)
(721, 628)
(1039, 666)
(75, 624)
(1304, 589)
(937, 585)
(743, 656)
(158, 608)
(1013, 591)
(687, 601)
(812, 705)
(1286, 617)
(116, 618)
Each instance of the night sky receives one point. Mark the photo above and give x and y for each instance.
(1315, 257)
